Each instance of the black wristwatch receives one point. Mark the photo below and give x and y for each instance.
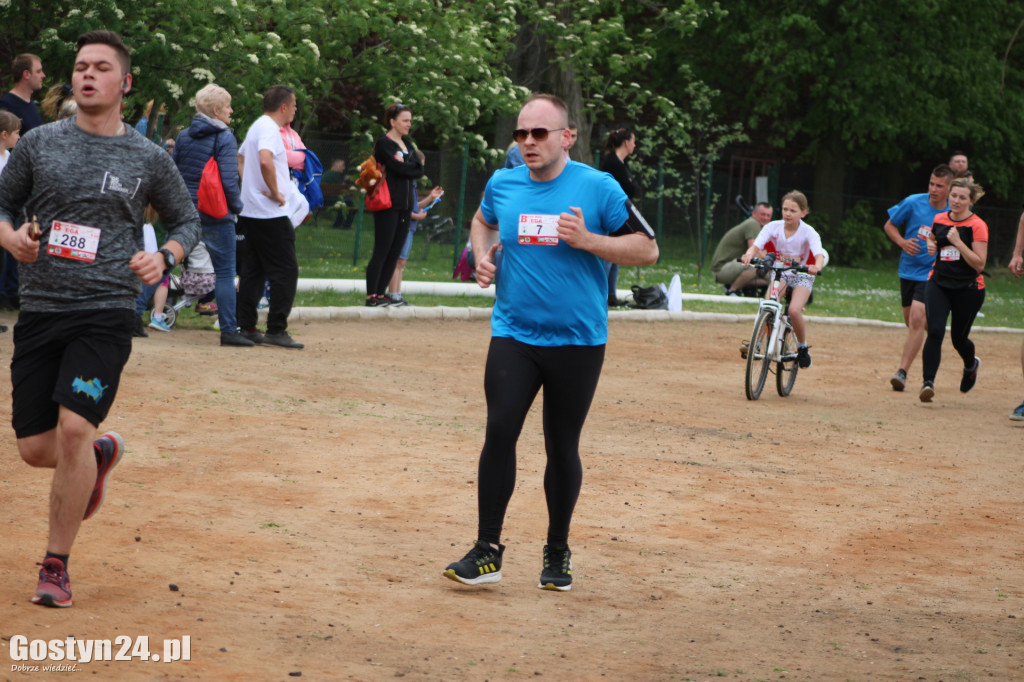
(169, 260)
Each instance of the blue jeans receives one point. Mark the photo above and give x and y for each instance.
(219, 239)
(145, 297)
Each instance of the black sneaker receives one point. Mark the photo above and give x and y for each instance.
(557, 573)
(803, 357)
(282, 339)
(899, 380)
(481, 565)
(377, 301)
(236, 339)
(397, 300)
(252, 335)
(970, 376)
(927, 392)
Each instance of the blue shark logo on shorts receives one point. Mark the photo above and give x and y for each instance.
(92, 388)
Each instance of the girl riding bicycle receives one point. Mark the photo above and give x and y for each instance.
(794, 243)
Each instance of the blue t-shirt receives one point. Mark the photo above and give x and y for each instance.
(910, 215)
(550, 294)
(514, 157)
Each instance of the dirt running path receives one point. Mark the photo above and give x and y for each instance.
(304, 505)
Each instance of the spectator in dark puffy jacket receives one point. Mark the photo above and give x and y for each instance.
(208, 136)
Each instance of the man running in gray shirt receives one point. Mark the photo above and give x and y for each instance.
(83, 184)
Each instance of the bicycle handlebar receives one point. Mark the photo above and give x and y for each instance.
(769, 262)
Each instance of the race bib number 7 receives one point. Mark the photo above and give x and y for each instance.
(75, 242)
(537, 229)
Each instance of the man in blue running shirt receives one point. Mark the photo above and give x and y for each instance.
(909, 224)
(552, 221)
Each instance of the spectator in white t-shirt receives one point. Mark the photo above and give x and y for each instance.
(267, 235)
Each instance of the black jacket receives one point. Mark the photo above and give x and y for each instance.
(400, 174)
(620, 171)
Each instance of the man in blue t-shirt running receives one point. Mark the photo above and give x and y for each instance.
(909, 224)
(549, 224)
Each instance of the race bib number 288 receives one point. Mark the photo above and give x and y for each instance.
(76, 242)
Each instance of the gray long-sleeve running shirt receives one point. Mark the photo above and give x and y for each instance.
(59, 172)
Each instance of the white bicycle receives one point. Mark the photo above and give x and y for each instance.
(773, 341)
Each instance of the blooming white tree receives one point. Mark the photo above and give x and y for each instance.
(345, 60)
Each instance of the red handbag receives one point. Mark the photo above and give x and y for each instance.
(380, 199)
(211, 197)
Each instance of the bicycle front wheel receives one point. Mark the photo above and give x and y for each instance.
(170, 314)
(758, 355)
(787, 367)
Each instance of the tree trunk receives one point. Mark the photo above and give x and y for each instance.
(565, 84)
(527, 65)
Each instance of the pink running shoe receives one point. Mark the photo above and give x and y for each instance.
(109, 447)
(54, 585)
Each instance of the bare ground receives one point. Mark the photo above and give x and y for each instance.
(305, 504)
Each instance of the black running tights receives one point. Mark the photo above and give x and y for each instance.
(940, 303)
(513, 375)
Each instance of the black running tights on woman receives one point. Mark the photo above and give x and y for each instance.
(960, 306)
(512, 377)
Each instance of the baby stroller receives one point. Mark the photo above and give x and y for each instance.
(197, 279)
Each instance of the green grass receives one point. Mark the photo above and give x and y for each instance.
(840, 292)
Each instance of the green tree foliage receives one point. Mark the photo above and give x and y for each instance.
(616, 63)
(445, 59)
(872, 83)
(608, 58)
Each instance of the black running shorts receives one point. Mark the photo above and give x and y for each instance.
(72, 359)
(911, 290)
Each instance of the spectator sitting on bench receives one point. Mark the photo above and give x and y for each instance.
(732, 275)
(334, 183)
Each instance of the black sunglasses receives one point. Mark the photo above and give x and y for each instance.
(539, 134)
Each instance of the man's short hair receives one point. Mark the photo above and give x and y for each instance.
(22, 63)
(943, 171)
(211, 97)
(276, 96)
(111, 39)
(554, 99)
(762, 204)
